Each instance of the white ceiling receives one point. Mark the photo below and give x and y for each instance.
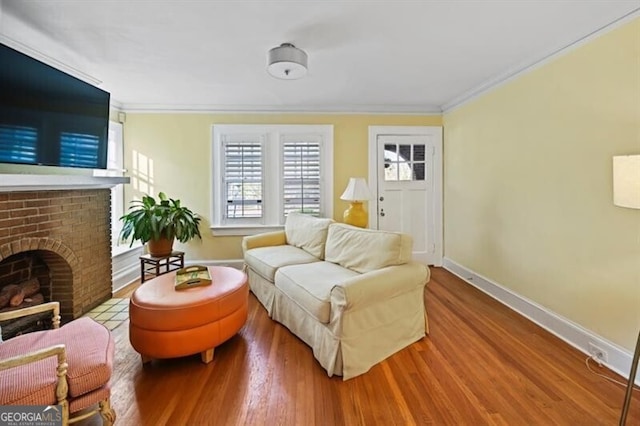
(369, 56)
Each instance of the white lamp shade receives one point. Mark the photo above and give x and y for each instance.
(626, 181)
(357, 190)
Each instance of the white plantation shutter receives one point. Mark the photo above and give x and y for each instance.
(301, 177)
(243, 179)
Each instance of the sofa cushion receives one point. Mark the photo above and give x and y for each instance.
(365, 250)
(309, 286)
(266, 260)
(307, 232)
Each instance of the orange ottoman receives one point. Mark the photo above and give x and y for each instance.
(169, 323)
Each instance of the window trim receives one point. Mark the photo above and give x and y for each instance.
(274, 136)
(115, 164)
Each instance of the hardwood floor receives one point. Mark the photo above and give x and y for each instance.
(482, 364)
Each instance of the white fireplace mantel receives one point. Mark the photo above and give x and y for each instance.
(25, 182)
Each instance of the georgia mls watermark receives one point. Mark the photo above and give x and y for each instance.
(30, 415)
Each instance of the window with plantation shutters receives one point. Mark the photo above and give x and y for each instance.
(301, 177)
(261, 173)
(243, 179)
(18, 144)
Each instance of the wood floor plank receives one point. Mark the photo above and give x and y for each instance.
(482, 364)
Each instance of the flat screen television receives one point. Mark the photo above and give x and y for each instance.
(48, 117)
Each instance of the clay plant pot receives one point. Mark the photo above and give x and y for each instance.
(160, 248)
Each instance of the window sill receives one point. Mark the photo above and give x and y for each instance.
(224, 231)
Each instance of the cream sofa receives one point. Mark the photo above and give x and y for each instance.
(353, 295)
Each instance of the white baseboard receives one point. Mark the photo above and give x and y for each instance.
(234, 263)
(619, 360)
(125, 267)
(124, 278)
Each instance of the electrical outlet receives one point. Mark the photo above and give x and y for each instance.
(598, 353)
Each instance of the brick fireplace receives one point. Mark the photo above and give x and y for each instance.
(59, 231)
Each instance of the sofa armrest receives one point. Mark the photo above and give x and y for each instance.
(382, 284)
(267, 239)
(54, 307)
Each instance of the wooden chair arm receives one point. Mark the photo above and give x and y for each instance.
(57, 350)
(62, 388)
(44, 307)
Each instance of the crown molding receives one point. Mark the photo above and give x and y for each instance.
(115, 104)
(528, 66)
(280, 109)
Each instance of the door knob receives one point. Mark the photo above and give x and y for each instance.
(382, 213)
(381, 198)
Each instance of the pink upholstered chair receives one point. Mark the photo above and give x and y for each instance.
(69, 366)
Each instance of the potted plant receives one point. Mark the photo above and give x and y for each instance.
(158, 223)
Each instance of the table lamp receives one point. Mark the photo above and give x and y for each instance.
(357, 191)
(626, 193)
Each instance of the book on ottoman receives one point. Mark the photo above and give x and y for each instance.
(192, 276)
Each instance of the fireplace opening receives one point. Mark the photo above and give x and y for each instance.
(30, 278)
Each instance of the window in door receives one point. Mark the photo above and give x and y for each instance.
(404, 162)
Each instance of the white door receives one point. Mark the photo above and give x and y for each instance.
(406, 187)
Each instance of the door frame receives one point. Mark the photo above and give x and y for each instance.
(435, 132)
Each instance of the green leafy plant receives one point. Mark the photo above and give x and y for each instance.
(149, 219)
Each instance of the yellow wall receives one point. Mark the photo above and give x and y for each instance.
(528, 185)
(175, 155)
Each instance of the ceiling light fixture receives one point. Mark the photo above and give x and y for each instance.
(287, 62)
